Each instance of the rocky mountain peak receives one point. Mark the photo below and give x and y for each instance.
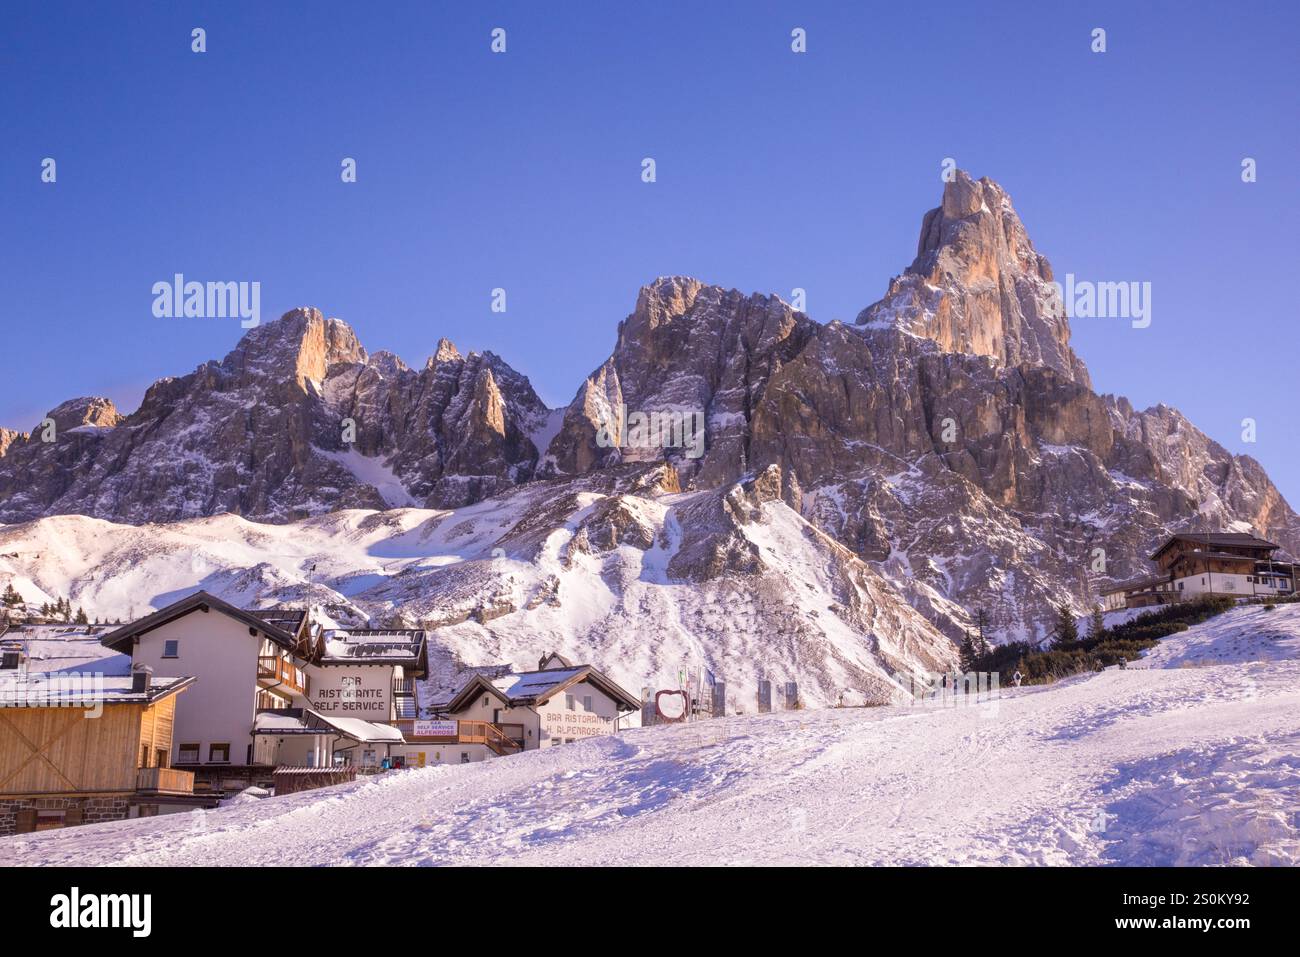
(978, 286)
(94, 411)
(300, 346)
(387, 363)
(446, 352)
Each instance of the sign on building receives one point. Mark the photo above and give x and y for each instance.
(352, 693)
(435, 729)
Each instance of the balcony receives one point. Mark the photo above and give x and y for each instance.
(274, 671)
(500, 739)
(164, 781)
(485, 732)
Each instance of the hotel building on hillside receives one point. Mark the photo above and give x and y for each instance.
(559, 703)
(1195, 564)
(261, 676)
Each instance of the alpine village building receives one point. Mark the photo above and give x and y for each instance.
(83, 737)
(214, 699)
(1196, 564)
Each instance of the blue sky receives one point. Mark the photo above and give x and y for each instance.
(522, 171)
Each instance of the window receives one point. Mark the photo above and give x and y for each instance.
(586, 703)
(144, 755)
(464, 757)
(9, 660)
(485, 701)
(160, 755)
(188, 754)
(171, 648)
(568, 702)
(219, 753)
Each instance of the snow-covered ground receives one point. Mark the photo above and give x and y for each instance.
(1193, 759)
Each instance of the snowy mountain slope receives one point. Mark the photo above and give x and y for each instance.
(1250, 633)
(950, 437)
(616, 568)
(1158, 766)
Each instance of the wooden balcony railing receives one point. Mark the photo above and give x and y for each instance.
(485, 732)
(280, 671)
(164, 781)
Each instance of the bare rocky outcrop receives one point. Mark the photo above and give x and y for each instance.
(265, 433)
(949, 440)
(978, 286)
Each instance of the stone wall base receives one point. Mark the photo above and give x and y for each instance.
(21, 815)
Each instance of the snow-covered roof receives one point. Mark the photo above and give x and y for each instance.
(281, 722)
(364, 731)
(531, 684)
(64, 647)
(538, 687)
(404, 646)
(290, 721)
(74, 690)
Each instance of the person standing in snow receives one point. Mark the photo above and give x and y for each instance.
(1017, 677)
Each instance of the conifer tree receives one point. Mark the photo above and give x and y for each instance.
(1067, 632)
(967, 653)
(1097, 624)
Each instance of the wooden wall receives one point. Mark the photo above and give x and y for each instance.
(76, 752)
(156, 726)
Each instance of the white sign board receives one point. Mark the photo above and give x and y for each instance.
(343, 693)
(434, 729)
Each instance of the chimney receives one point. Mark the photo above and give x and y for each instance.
(141, 679)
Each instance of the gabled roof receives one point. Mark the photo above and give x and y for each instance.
(553, 659)
(471, 689)
(1215, 540)
(538, 687)
(201, 601)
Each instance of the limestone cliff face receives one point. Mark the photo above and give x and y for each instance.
(265, 433)
(950, 438)
(978, 286)
(951, 435)
(686, 347)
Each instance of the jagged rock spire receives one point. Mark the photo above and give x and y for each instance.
(978, 286)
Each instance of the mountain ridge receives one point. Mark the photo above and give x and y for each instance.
(950, 436)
